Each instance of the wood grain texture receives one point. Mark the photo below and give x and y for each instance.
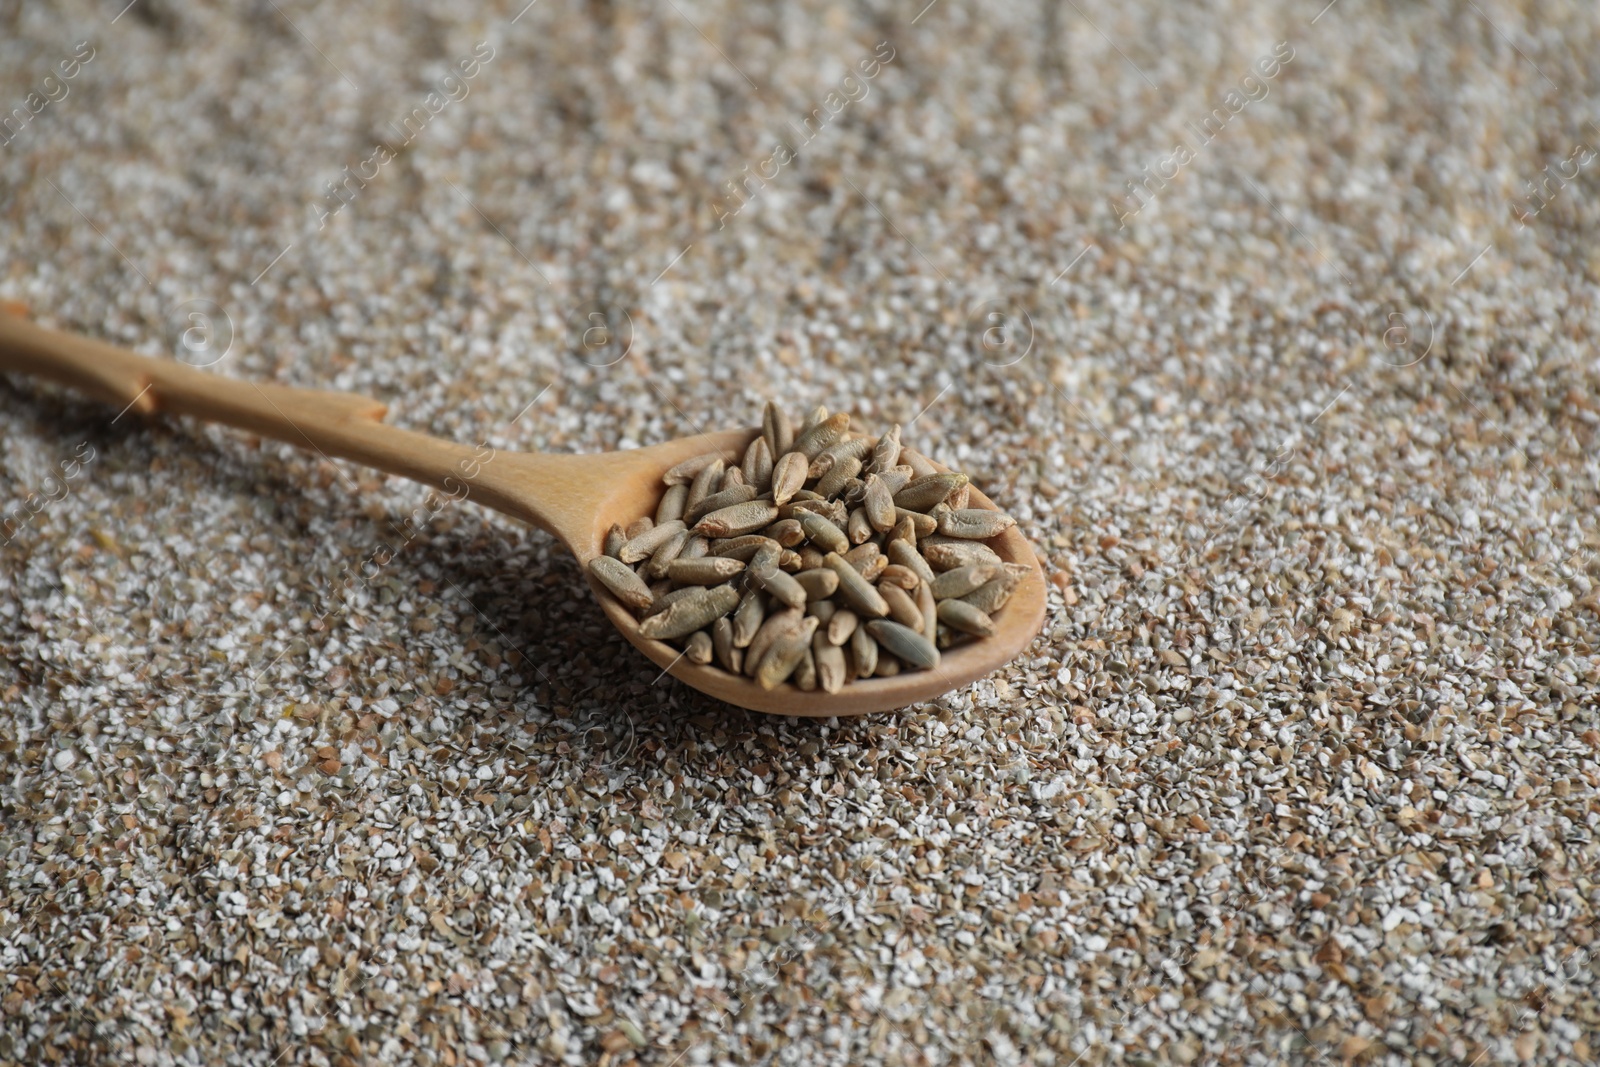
(575, 498)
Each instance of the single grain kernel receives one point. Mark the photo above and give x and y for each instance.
(902, 608)
(788, 476)
(672, 503)
(863, 652)
(963, 580)
(920, 467)
(685, 472)
(739, 519)
(921, 524)
(805, 672)
(725, 498)
(777, 429)
(771, 627)
(787, 532)
(691, 613)
(832, 672)
(930, 610)
(897, 574)
(741, 547)
(615, 539)
(811, 420)
(757, 466)
(842, 625)
(858, 529)
(748, 618)
(648, 540)
(788, 649)
(666, 596)
(782, 586)
(823, 533)
(896, 478)
(619, 578)
(819, 584)
(905, 554)
(905, 643)
(662, 557)
(991, 596)
(923, 493)
(822, 435)
(766, 558)
(886, 453)
(708, 570)
(878, 504)
(855, 590)
(959, 615)
(974, 523)
(699, 650)
(945, 555)
(722, 645)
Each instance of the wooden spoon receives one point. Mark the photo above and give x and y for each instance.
(574, 498)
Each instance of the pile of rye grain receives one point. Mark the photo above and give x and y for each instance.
(821, 557)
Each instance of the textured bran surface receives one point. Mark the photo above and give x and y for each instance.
(298, 767)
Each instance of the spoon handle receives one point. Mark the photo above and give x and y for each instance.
(333, 424)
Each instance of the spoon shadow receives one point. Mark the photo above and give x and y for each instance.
(590, 689)
(537, 669)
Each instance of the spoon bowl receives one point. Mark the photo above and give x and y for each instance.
(575, 498)
(1015, 625)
